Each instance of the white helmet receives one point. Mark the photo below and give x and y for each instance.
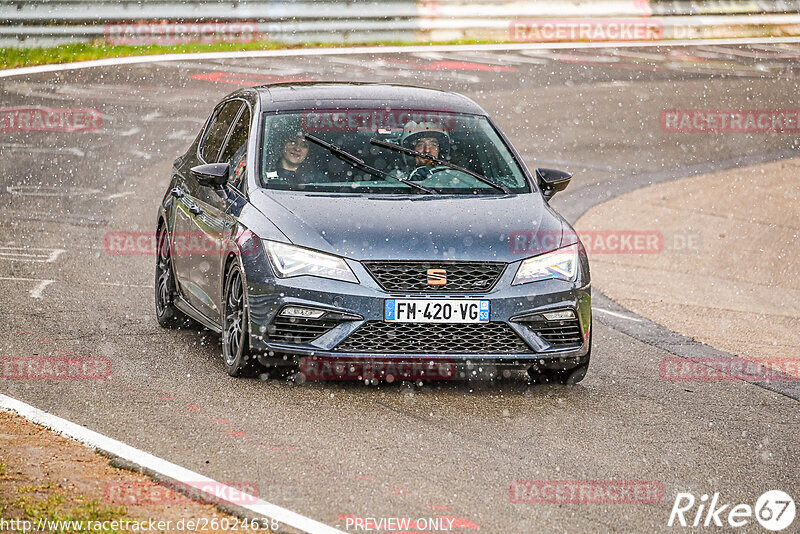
(415, 130)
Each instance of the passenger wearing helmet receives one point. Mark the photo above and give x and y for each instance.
(426, 138)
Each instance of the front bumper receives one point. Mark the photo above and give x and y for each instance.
(267, 295)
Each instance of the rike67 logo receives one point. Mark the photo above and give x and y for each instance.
(774, 510)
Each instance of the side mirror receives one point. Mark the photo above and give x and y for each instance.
(212, 174)
(551, 181)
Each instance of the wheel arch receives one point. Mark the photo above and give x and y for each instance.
(230, 258)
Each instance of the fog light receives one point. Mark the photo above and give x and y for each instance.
(297, 311)
(562, 315)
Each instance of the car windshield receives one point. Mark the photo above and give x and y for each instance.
(383, 151)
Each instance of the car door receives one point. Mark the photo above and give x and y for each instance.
(221, 205)
(198, 227)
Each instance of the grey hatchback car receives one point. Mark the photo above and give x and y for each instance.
(370, 231)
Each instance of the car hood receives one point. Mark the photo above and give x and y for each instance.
(404, 227)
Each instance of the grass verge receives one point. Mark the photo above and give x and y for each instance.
(45, 477)
(43, 503)
(11, 57)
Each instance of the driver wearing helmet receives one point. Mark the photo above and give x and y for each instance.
(426, 138)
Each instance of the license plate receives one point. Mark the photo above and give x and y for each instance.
(437, 311)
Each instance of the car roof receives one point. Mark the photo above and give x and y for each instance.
(337, 95)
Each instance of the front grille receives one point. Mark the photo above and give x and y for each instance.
(558, 333)
(472, 338)
(412, 276)
(298, 330)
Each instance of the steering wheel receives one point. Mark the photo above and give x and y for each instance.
(424, 172)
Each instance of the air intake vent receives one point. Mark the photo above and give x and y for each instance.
(413, 276)
(556, 333)
(472, 338)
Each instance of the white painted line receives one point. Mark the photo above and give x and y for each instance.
(153, 115)
(120, 195)
(39, 255)
(615, 314)
(44, 150)
(36, 292)
(49, 191)
(368, 50)
(181, 135)
(162, 467)
(120, 284)
(80, 219)
(140, 154)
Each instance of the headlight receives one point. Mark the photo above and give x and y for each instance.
(289, 261)
(561, 263)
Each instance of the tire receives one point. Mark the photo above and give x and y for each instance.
(567, 377)
(236, 355)
(167, 314)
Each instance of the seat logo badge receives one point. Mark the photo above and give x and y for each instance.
(437, 277)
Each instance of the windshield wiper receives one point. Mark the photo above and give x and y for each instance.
(359, 163)
(404, 150)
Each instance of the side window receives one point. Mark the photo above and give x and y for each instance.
(217, 130)
(235, 151)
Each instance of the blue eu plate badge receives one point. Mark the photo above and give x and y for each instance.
(390, 310)
(484, 311)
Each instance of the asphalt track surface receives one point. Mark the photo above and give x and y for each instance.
(330, 450)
